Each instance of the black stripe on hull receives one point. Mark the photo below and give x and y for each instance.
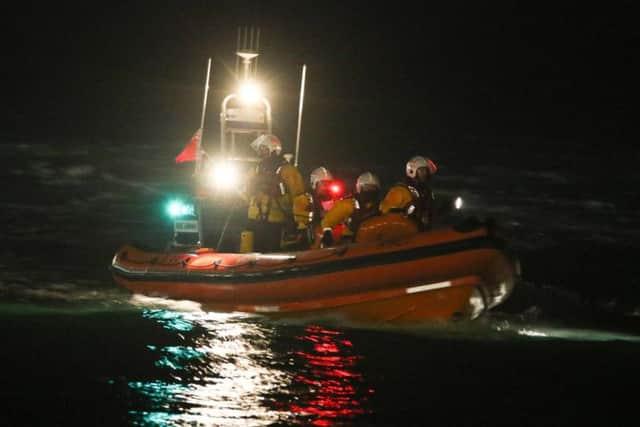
(239, 278)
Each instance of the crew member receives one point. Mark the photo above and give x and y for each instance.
(271, 189)
(346, 216)
(414, 196)
(323, 192)
(317, 202)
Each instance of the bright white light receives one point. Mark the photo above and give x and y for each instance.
(250, 92)
(224, 176)
(458, 203)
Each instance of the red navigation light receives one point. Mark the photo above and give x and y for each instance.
(336, 189)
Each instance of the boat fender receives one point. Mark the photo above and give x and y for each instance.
(246, 241)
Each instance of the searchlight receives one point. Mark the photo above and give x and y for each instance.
(250, 92)
(224, 175)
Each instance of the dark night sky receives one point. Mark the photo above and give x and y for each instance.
(132, 71)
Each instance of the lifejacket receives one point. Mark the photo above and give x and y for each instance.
(345, 218)
(418, 206)
(268, 180)
(309, 210)
(303, 212)
(320, 206)
(270, 199)
(362, 211)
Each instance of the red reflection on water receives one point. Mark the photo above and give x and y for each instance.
(335, 389)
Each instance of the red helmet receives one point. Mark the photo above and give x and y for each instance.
(271, 142)
(418, 162)
(367, 179)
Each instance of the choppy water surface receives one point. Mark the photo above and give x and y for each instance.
(78, 350)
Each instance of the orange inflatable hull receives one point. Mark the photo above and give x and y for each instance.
(439, 274)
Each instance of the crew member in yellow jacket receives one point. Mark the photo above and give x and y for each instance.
(413, 197)
(346, 215)
(325, 191)
(271, 189)
(310, 209)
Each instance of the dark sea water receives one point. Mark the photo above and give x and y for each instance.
(77, 350)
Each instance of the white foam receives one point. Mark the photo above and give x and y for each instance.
(140, 300)
(79, 170)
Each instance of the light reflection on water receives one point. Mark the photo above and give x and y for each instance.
(228, 372)
(238, 369)
(335, 389)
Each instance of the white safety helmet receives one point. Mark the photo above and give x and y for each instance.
(369, 179)
(319, 174)
(418, 162)
(272, 142)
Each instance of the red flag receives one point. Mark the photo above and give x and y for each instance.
(190, 151)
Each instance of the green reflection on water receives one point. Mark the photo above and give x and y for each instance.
(158, 391)
(178, 357)
(171, 320)
(219, 376)
(144, 418)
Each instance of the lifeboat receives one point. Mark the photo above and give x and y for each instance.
(391, 272)
(447, 273)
